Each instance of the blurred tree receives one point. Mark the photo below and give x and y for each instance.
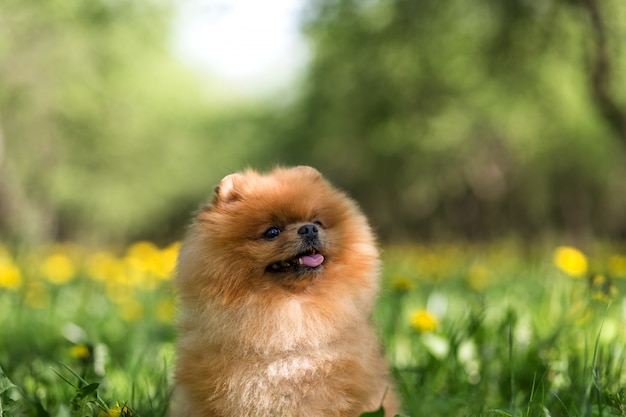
(104, 133)
(442, 119)
(601, 71)
(445, 119)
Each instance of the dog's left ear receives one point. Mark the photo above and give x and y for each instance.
(227, 190)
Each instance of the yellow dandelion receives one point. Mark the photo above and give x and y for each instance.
(167, 261)
(142, 250)
(571, 261)
(423, 321)
(117, 411)
(402, 284)
(10, 274)
(58, 268)
(80, 351)
(146, 264)
(103, 266)
(139, 273)
(145, 255)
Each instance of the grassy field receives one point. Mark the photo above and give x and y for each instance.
(502, 329)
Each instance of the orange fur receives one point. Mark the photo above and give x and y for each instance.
(292, 343)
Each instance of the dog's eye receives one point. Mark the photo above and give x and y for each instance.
(272, 233)
(318, 223)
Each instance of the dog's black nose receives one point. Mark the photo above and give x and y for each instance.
(308, 230)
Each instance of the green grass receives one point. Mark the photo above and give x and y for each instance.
(469, 330)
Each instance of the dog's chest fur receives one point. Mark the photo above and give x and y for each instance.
(276, 386)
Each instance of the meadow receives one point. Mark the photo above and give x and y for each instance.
(499, 329)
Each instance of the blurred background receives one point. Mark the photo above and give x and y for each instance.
(444, 120)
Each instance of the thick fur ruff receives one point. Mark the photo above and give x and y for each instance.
(265, 330)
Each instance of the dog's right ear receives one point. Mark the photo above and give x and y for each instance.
(227, 190)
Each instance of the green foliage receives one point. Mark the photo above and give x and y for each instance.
(378, 413)
(444, 118)
(95, 326)
(441, 119)
(102, 132)
(513, 334)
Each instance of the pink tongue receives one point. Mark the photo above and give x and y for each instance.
(312, 260)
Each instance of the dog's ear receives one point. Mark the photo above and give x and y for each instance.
(307, 171)
(228, 190)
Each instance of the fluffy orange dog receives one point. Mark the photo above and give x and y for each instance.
(277, 280)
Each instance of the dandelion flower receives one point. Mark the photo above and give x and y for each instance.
(81, 351)
(423, 321)
(167, 260)
(144, 255)
(58, 269)
(142, 250)
(103, 266)
(10, 275)
(146, 264)
(571, 261)
(139, 273)
(117, 411)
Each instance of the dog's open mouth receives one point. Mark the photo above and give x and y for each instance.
(309, 260)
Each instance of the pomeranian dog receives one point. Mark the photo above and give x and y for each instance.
(277, 280)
